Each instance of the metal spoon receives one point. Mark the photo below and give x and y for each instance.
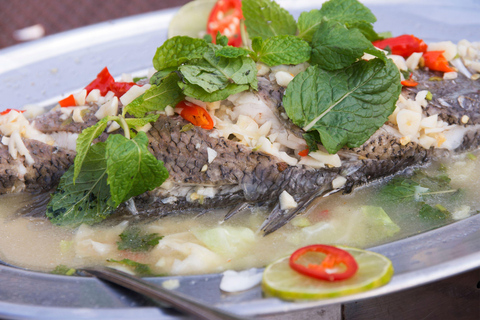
(175, 299)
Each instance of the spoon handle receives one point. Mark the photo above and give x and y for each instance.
(176, 300)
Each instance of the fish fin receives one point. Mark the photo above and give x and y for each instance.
(278, 217)
(238, 208)
(36, 206)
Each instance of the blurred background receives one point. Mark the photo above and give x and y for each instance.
(26, 20)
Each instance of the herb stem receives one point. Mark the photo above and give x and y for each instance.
(125, 127)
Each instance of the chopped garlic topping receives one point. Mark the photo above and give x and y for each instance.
(339, 182)
(212, 154)
(413, 60)
(113, 127)
(93, 96)
(408, 122)
(80, 97)
(283, 78)
(450, 75)
(109, 108)
(133, 93)
(326, 158)
(287, 201)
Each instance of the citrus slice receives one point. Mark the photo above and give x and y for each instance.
(279, 280)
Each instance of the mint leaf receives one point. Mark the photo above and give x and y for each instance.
(178, 50)
(265, 18)
(345, 11)
(335, 46)
(197, 92)
(437, 212)
(311, 138)
(345, 106)
(134, 240)
(308, 23)
(232, 52)
(241, 70)
(140, 269)
(86, 201)
(221, 40)
(366, 29)
(205, 76)
(156, 98)
(131, 168)
(84, 141)
(140, 122)
(159, 76)
(399, 189)
(281, 50)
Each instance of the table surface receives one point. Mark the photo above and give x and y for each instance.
(19, 14)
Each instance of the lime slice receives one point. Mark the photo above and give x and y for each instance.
(191, 19)
(279, 280)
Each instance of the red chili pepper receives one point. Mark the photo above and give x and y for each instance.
(304, 153)
(196, 115)
(68, 102)
(435, 60)
(102, 82)
(105, 82)
(336, 258)
(120, 88)
(403, 45)
(226, 15)
(409, 82)
(6, 111)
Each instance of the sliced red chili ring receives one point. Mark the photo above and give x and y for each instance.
(196, 115)
(337, 265)
(225, 18)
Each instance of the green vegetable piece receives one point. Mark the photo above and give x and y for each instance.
(471, 156)
(159, 76)
(265, 18)
(345, 11)
(156, 98)
(437, 212)
(86, 201)
(197, 92)
(281, 50)
(232, 52)
(133, 240)
(178, 50)
(137, 79)
(64, 270)
(379, 223)
(208, 38)
(429, 96)
(140, 269)
(131, 168)
(335, 47)
(84, 142)
(346, 106)
(187, 127)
